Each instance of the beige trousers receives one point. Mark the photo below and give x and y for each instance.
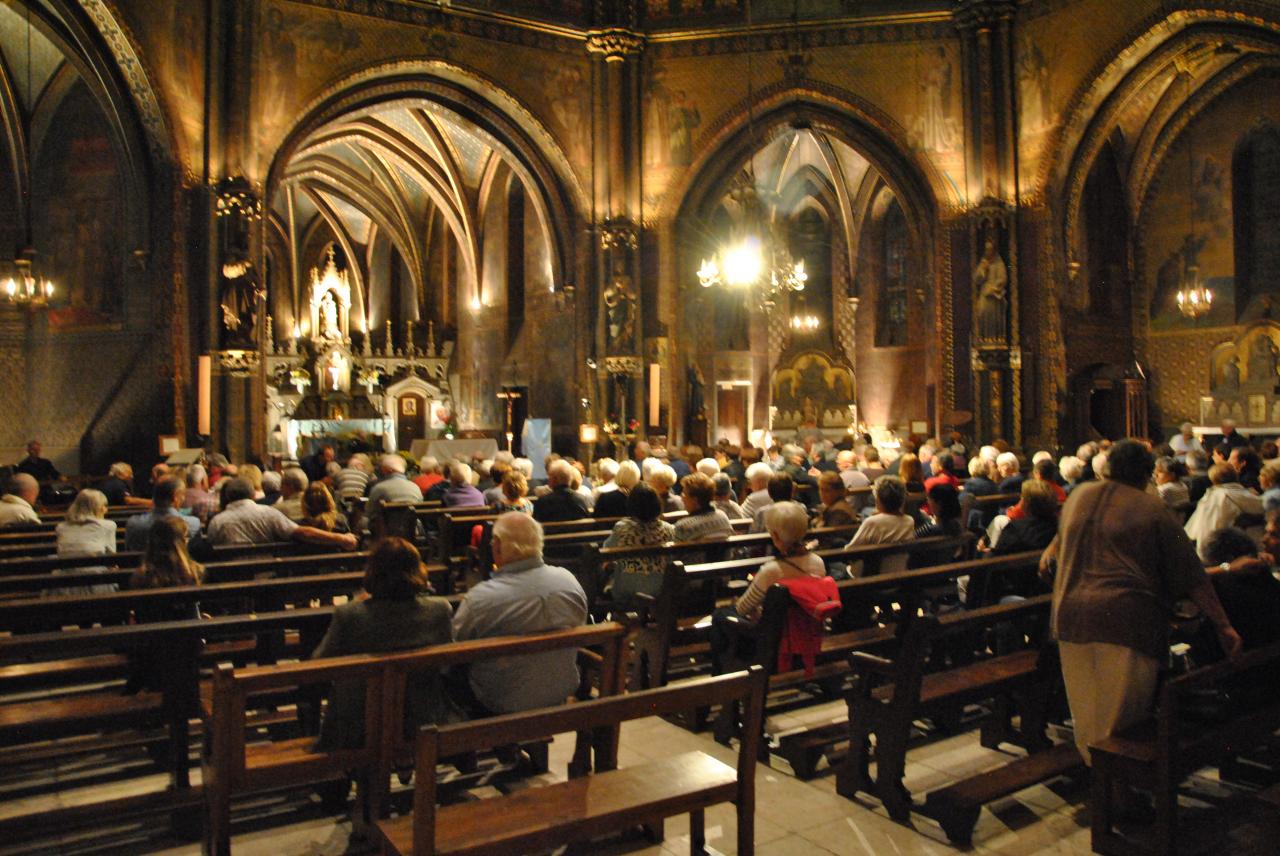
(1109, 688)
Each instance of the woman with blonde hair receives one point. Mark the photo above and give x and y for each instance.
(320, 511)
(86, 532)
(613, 503)
(166, 561)
(515, 488)
(253, 473)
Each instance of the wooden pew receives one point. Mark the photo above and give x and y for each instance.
(888, 695)
(581, 809)
(1158, 754)
(233, 767)
(49, 563)
(178, 647)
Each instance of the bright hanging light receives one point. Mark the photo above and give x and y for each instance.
(1194, 298)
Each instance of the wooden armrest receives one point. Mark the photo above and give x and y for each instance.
(738, 585)
(871, 662)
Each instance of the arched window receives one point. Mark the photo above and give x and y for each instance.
(1255, 201)
(1106, 220)
(891, 319)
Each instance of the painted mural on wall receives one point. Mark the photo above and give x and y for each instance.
(78, 205)
(1198, 225)
(1243, 378)
(813, 390)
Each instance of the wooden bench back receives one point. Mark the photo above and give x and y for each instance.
(435, 742)
(384, 676)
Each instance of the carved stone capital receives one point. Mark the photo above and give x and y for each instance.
(983, 14)
(236, 363)
(615, 43)
(619, 233)
(633, 366)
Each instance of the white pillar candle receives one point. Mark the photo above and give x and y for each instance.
(204, 392)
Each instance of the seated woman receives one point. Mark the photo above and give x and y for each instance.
(515, 489)
(889, 525)
(642, 527)
(394, 614)
(613, 503)
(86, 532)
(320, 511)
(165, 564)
(732, 643)
(703, 521)
(942, 520)
(1034, 530)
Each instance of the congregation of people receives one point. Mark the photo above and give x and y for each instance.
(1125, 529)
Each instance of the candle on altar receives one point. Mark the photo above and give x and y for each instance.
(389, 348)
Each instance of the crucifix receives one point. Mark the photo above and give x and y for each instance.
(510, 395)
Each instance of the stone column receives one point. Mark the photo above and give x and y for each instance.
(619, 336)
(986, 29)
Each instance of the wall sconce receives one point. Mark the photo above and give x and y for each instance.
(588, 434)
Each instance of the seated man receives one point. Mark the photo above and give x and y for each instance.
(757, 477)
(562, 502)
(293, 484)
(1242, 579)
(724, 497)
(1221, 505)
(118, 486)
(460, 493)
(17, 506)
(780, 489)
(1010, 469)
(393, 486)
(243, 521)
(167, 497)
(40, 469)
(198, 499)
(524, 595)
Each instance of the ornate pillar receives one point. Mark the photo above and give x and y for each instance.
(620, 337)
(996, 356)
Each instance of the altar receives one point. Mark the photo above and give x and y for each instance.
(1244, 380)
(326, 385)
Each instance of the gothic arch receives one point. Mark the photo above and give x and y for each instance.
(1140, 60)
(536, 157)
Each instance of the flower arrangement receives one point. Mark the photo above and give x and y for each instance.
(450, 420)
(613, 426)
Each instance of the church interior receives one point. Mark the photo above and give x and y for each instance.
(365, 240)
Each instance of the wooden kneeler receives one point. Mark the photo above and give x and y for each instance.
(542, 818)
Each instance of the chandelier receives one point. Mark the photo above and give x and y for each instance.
(1194, 297)
(756, 258)
(25, 286)
(805, 322)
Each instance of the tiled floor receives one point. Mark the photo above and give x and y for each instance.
(793, 817)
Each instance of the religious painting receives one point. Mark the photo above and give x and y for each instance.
(569, 96)
(671, 119)
(78, 203)
(408, 406)
(1170, 276)
(813, 390)
(935, 126)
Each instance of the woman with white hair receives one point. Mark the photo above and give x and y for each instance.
(787, 524)
(1072, 470)
(613, 503)
(86, 532)
(662, 479)
(606, 471)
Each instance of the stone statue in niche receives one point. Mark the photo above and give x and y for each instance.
(1263, 359)
(620, 310)
(329, 317)
(695, 427)
(990, 279)
(239, 305)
